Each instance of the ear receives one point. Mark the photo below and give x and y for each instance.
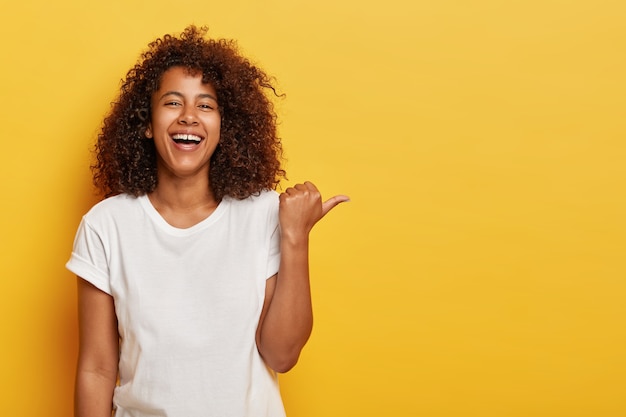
(148, 132)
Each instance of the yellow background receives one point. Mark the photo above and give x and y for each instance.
(478, 271)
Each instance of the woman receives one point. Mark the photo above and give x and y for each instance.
(193, 274)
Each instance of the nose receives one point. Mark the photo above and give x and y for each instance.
(187, 116)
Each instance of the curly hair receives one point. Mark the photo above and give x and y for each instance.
(248, 156)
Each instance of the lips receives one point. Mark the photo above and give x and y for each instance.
(186, 139)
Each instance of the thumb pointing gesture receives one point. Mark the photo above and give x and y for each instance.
(332, 202)
(301, 207)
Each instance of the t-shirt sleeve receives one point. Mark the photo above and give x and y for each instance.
(88, 259)
(273, 261)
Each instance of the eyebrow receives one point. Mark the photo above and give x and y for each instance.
(176, 93)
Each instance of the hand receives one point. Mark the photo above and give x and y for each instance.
(301, 207)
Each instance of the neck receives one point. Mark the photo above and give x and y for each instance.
(180, 196)
(183, 202)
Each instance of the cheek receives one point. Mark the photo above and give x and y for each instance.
(161, 121)
(215, 124)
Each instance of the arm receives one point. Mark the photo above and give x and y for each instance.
(287, 317)
(96, 373)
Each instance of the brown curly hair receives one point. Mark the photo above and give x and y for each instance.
(248, 157)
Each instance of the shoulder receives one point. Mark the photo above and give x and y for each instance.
(268, 199)
(119, 206)
(263, 206)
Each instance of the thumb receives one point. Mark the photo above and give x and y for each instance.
(333, 202)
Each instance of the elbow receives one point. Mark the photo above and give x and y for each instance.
(283, 364)
(279, 354)
(280, 360)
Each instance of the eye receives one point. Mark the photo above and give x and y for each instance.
(172, 103)
(206, 106)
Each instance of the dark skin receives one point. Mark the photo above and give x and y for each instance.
(183, 197)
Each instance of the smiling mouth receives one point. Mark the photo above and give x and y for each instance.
(186, 139)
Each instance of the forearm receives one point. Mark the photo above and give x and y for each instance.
(289, 319)
(93, 394)
(96, 373)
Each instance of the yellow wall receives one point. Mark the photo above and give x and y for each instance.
(479, 270)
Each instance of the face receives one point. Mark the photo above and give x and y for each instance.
(185, 124)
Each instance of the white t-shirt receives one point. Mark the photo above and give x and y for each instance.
(188, 303)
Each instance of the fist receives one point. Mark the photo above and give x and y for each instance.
(301, 207)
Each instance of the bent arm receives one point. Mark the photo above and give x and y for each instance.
(98, 356)
(287, 317)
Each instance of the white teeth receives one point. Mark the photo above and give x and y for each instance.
(182, 136)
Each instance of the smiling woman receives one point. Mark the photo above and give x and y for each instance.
(247, 157)
(185, 125)
(193, 275)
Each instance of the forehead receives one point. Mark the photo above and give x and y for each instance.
(184, 80)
